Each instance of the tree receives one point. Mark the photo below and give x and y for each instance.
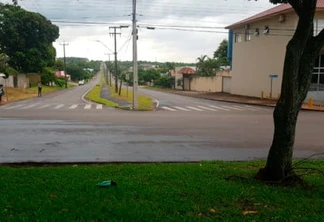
(27, 37)
(206, 66)
(301, 52)
(220, 55)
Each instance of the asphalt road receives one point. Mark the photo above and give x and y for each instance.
(44, 134)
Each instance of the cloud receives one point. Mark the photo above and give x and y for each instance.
(185, 29)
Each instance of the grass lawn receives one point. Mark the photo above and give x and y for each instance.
(156, 192)
(144, 102)
(16, 94)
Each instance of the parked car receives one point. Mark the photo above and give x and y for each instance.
(81, 82)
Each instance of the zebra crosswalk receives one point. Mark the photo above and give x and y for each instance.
(214, 108)
(38, 106)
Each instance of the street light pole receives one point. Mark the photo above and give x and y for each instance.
(108, 68)
(64, 44)
(135, 69)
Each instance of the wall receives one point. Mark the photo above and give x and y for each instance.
(22, 81)
(34, 78)
(317, 96)
(254, 60)
(207, 84)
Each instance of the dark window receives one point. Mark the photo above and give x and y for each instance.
(314, 78)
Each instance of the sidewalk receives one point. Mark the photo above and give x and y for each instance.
(226, 97)
(105, 93)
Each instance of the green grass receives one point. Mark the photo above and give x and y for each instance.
(16, 94)
(94, 95)
(156, 192)
(144, 102)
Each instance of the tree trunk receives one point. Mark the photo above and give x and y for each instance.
(301, 53)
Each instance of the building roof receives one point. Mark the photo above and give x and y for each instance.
(280, 9)
(187, 70)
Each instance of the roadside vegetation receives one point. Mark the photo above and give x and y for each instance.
(94, 95)
(144, 102)
(16, 94)
(211, 191)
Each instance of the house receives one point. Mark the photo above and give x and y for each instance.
(182, 76)
(257, 47)
(61, 74)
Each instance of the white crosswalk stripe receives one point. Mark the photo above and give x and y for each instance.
(214, 108)
(233, 107)
(207, 108)
(30, 106)
(13, 107)
(220, 108)
(194, 108)
(168, 108)
(180, 108)
(73, 106)
(59, 106)
(43, 106)
(256, 107)
(52, 106)
(249, 108)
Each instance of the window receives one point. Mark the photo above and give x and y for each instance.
(237, 37)
(318, 75)
(247, 35)
(318, 26)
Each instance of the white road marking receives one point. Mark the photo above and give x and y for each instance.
(99, 106)
(232, 107)
(88, 106)
(194, 108)
(180, 108)
(207, 108)
(73, 106)
(59, 106)
(248, 108)
(220, 108)
(167, 108)
(13, 107)
(44, 106)
(30, 106)
(256, 107)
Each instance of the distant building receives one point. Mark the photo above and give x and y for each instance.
(61, 74)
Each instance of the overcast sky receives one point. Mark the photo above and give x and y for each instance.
(184, 29)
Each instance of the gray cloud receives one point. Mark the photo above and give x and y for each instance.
(163, 44)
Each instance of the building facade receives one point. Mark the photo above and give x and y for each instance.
(257, 47)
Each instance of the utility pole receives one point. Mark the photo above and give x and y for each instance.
(109, 73)
(64, 44)
(116, 69)
(135, 69)
(114, 33)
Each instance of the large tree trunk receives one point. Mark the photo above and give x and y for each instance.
(301, 53)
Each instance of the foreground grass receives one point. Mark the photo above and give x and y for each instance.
(15, 94)
(156, 192)
(144, 102)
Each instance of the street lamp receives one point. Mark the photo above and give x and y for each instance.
(105, 46)
(109, 66)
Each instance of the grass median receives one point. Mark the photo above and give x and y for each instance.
(144, 102)
(156, 192)
(94, 95)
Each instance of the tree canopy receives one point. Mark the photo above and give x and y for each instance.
(220, 55)
(26, 38)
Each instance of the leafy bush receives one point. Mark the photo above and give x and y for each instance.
(164, 82)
